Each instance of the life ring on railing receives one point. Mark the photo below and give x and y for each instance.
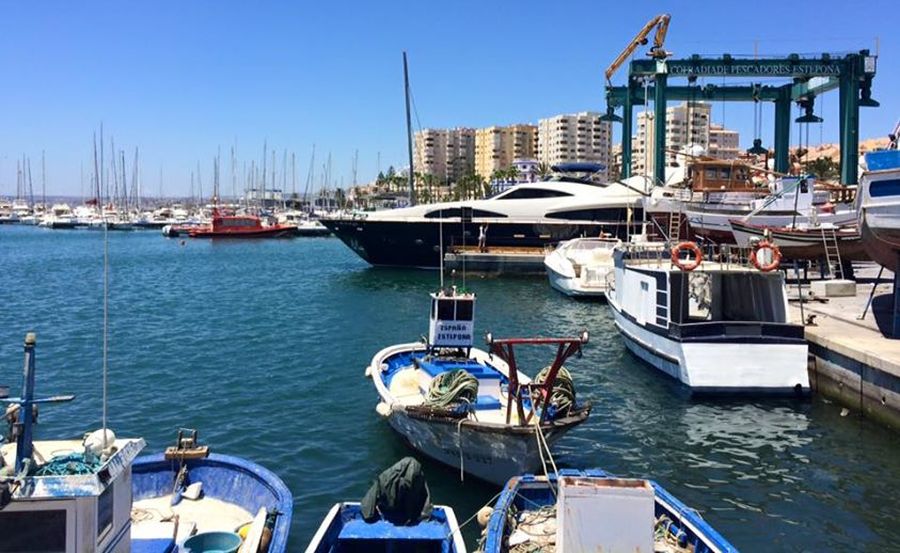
(776, 256)
(687, 265)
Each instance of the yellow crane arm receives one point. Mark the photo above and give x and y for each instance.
(661, 22)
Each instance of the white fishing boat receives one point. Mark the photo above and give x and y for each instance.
(472, 409)
(72, 496)
(716, 326)
(580, 267)
(60, 216)
(879, 206)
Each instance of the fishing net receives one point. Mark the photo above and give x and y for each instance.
(562, 396)
(451, 388)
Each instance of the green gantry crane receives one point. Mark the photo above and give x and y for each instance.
(851, 74)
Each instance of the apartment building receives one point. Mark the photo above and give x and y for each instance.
(575, 137)
(448, 154)
(723, 143)
(687, 124)
(496, 148)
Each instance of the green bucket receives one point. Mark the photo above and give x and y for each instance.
(213, 542)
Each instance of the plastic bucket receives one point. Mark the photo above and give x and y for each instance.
(213, 542)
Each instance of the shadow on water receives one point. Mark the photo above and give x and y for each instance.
(263, 345)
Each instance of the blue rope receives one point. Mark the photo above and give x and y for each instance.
(68, 465)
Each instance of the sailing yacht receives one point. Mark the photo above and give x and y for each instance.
(525, 215)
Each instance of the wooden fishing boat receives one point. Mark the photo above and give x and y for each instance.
(804, 242)
(241, 226)
(591, 510)
(395, 515)
(188, 491)
(472, 409)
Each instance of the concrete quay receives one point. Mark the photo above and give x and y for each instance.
(852, 358)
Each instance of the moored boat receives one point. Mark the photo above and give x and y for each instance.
(580, 267)
(527, 215)
(471, 409)
(395, 515)
(804, 242)
(717, 326)
(240, 226)
(188, 491)
(63, 495)
(591, 510)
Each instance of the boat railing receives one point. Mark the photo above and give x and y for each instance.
(734, 329)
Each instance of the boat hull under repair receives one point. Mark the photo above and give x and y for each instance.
(763, 367)
(489, 451)
(879, 211)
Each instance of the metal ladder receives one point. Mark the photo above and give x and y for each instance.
(832, 253)
(674, 226)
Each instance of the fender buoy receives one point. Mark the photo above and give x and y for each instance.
(776, 256)
(689, 264)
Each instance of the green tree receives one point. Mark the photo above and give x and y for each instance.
(824, 168)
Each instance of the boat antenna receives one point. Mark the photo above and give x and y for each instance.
(105, 325)
(409, 141)
(441, 246)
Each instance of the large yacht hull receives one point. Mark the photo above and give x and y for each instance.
(420, 243)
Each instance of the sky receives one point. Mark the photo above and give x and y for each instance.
(182, 80)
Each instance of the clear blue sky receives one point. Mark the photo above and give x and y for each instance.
(180, 79)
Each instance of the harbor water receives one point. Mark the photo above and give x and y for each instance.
(262, 346)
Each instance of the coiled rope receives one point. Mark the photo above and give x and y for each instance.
(452, 387)
(562, 396)
(67, 465)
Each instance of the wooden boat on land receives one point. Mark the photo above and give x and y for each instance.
(591, 510)
(807, 242)
(879, 207)
(241, 226)
(472, 409)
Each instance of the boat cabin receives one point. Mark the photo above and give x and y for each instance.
(62, 496)
(717, 299)
(452, 320)
(720, 176)
(235, 222)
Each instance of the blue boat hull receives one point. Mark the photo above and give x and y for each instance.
(229, 479)
(529, 492)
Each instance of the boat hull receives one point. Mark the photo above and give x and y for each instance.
(419, 243)
(719, 366)
(230, 479)
(260, 233)
(802, 244)
(570, 286)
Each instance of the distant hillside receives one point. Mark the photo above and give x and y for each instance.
(833, 151)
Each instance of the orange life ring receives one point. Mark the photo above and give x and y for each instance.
(776, 256)
(686, 265)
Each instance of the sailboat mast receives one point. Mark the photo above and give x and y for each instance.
(409, 138)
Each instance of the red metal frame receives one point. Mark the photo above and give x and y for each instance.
(503, 348)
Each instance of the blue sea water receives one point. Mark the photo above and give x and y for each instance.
(262, 346)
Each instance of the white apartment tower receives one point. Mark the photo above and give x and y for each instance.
(723, 143)
(496, 148)
(687, 124)
(575, 137)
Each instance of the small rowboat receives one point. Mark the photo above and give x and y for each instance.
(188, 491)
(472, 409)
(593, 511)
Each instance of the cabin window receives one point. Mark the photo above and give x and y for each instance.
(105, 511)
(445, 310)
(610, 214)
(464, 310)
(456, 212)
(533, 193)
(33, 531)
(885, 187)
(710, 173)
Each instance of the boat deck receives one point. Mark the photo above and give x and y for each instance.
(156, 518)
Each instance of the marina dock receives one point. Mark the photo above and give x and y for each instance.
(852, 360)
(517, 261)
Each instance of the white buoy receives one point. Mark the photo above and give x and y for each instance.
(484, 516)
(383, 409)
(369, 371)
(94, 444)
